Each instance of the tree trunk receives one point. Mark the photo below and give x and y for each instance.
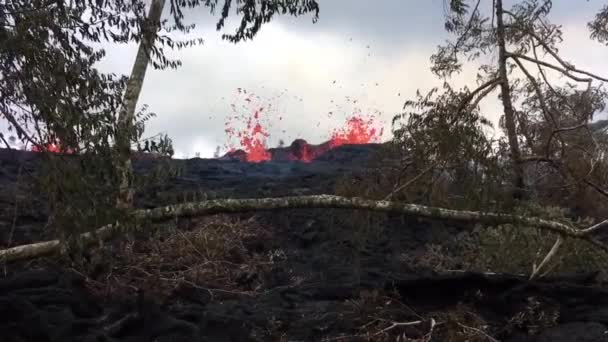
(126, 115)
(229, 205)
(507, 103)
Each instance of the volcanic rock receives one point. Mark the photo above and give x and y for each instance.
(301, 150)
(326, 273)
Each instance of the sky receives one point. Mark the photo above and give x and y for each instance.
(373, 52)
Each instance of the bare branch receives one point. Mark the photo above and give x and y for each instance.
(8, 146)
(484, 93)
(468, 27)
(541, 98)
(554, 54)
(596, 227)
(543, 74)
(482, 90)
(566, 72)
(546, 111)
(555, 163)
(11, 119)
(596, 187)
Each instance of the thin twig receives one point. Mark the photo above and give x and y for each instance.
(479, 331)
(411, 181)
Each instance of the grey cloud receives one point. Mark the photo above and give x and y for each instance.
(193, 102)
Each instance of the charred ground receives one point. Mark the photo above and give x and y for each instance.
(298, 275)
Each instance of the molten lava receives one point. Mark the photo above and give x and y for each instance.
(255, 118)
(357, 131)
(252, 138)
(53, 147)
(254, 141)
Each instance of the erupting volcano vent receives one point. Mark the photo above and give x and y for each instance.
(53, 146)
(50, 147)
(357, 131)
(252, 137)
(247, 129)
(255, 119)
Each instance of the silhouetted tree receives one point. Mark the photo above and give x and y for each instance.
(254, 15)
(50, 83)
(599, 26)
(522, 37)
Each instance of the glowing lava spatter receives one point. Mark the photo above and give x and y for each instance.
(252, 139)
(53, 147)
(357, 131)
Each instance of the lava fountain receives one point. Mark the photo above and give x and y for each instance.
(252, 137)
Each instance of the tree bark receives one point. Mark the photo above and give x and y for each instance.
(317, 201)
(507, 103)
(127, 113)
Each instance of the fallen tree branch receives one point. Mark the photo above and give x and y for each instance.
(551, 254)
(596, 227)
(225, 206)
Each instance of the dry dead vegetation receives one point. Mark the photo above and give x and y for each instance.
(212, 255)
(483, 249)
(216, 254)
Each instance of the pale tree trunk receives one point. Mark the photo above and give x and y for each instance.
(507, 103)
(220, 206)
(126, 115)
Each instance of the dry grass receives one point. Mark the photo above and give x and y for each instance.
(461, 324)
(213, 257)
(384, 318)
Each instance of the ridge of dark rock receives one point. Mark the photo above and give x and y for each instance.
(321, 282)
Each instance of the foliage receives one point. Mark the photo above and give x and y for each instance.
(47, 56)
(81, 189)
(49, 79)
(80, 202)
(547, 123)
(476, 35)
(483, 249)
(448, 146)
(599, 26)
(53, 91)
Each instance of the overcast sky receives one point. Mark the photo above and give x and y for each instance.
(292, 64)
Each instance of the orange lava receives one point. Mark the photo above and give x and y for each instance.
(357, 131)
(254, 142)
(247, 130)
(53, 147)
(252, 139)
